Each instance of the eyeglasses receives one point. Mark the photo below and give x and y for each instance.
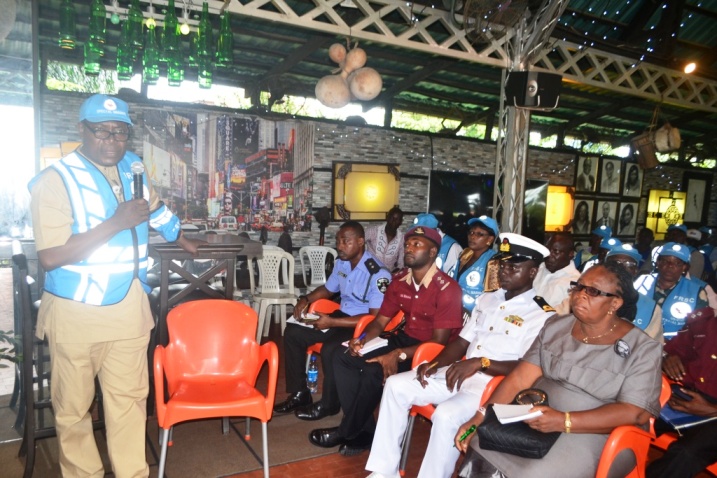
(591, 291)
(625, 263)
(101, 133)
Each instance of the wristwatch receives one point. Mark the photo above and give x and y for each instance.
(402, 356)
(484, 363)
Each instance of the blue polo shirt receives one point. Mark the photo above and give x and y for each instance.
(360, 289)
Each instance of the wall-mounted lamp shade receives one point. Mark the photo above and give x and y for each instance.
(664, 208)
(68, 26)
(559, 208)
(364, 191)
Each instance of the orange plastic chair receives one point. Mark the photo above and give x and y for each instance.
(425, 353)
(325, 306)
(211, 365)
(628, 437)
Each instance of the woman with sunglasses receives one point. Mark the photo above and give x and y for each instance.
(598, 372)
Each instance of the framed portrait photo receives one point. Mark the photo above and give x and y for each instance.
(610, 170)
(632, 182)
(582, 216)
(627, 220)
(698, 188)
(605, 213)
(586, 174)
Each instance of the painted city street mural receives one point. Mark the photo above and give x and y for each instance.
(206, 167)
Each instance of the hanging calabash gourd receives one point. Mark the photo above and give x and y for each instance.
(352, 79)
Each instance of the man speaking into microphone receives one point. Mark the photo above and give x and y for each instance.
(91, 214)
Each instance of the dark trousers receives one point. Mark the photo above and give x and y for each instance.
(689, 455)
(296, 340)
(360, 385)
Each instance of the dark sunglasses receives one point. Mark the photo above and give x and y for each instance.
(591, 291)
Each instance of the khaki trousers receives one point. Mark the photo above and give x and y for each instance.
(121, 367)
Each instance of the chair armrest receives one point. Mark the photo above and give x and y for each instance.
(626, 437)
(362, 324)
(426, 352)
(270, 353)
(159, 383)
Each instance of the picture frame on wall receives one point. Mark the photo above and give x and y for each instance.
(697, 187)
(632, 183)
(582, 216)
(605, 213)
(586, 174)
(627, 220)
(610, 170)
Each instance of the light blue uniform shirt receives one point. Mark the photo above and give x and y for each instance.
(360, 290)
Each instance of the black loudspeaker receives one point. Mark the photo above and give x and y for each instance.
(533, 89)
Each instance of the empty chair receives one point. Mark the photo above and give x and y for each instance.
(273, 292)
(313, 268)
(211, 365)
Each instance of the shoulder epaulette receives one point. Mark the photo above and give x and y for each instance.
(543, 304)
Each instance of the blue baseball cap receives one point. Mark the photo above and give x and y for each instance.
(426, 220)
(705, 230)
(610, 243)
(99, 108)
(674, 249)
(680, 227)
(487, 222)
(625, 250)
(603, 231)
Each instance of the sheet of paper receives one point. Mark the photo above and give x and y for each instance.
(310, 324)
(371, 345)
(514, 413)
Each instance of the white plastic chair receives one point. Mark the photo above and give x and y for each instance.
(316, 262)
(273, 293)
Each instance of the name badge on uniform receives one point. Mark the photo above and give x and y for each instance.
(515, 320)
(342, 274)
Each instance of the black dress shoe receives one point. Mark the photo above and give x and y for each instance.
(294, 401)
(316, 411)
(326, 437)
(356, 445)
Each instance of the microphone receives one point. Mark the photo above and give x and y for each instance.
(138, 179)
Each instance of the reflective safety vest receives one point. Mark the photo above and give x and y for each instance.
(446, 244)
(105, 276)
(472, 280)
(679, 303)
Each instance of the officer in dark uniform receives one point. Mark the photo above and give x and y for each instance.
(361, 281)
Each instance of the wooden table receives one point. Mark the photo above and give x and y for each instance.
(222, 248)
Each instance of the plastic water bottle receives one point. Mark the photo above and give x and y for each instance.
(312, 379)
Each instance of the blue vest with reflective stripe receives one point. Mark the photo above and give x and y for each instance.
(105, 276)
(446, 244)
(678, 304)
(472, 279)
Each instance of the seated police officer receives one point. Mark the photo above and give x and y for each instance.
(361, 280)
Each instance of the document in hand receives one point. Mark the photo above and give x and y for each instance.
(371, 345)
(306, 323)
(514, 413)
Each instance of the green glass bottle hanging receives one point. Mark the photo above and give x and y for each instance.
(175, 68)
(205, 66)
(92, 58)
(204, 33)
(97, 27)
(136, 19)
(125, 54)
(225, 44)
(150, 59)
(68, 26)
(170, 32)
(192, 58)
